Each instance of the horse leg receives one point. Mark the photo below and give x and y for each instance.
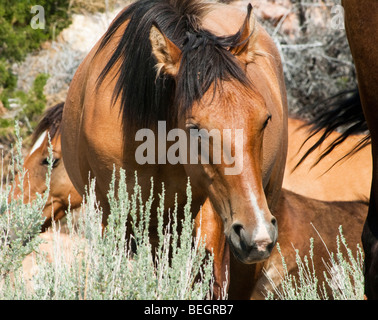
(211, 229)
(243, 278)
(370, 245)
(362, 32)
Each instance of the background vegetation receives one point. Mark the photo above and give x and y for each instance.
(317, 63)
(88, 262)
(316, 57)
(82, 261)
(17, 39)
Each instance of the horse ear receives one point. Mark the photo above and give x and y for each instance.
(244, 49)
(165, 51)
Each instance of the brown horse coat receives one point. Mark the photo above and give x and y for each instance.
(96, 134)
(328, 180)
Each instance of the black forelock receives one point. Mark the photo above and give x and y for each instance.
(50, 122)
(147, 97)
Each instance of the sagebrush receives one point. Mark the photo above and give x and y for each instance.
(101, 263)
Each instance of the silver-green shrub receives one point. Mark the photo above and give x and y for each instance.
(100, 262)
(103, 265)
(344, 277)
(20, 224)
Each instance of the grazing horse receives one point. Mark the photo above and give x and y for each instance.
(298, 216)
(202, 69)
(361, 28)
(329, 179)
(62, 192)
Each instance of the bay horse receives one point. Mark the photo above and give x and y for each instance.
(361, 28)
(193, 66)
(333, 177)
(62, 193)
(299, 219)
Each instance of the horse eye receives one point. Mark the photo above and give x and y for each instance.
(194, 130)
(55, 162)
(192, 126)
(267, 121)
(45, 162)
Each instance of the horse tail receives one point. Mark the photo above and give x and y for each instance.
(342, 111)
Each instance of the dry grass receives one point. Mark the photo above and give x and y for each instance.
(316, 57)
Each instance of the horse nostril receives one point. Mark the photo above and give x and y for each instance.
(241, 237)
(274, 221)
(238, 229)
(269, 247)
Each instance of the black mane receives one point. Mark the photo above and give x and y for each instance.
(50, 121)
(147, 97)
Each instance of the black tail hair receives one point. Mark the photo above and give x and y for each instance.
(50, 121)
(342, 110)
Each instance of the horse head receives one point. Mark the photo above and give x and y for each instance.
(62, 193)
(225, 118)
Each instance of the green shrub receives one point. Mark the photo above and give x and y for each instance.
(30, 107)
(344, 277)
(105, 267)
(7, 78)
(35, 101)
(100, 263)
(20, 223)
(17, 39)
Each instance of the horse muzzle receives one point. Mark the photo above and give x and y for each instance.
(252, 247)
